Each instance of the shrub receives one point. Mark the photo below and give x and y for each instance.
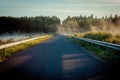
(78, 35)
(98, 36)
(103, 36)
(113, 40)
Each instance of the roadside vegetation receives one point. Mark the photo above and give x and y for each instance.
(111, 56)
(8, 52)
(101, 36)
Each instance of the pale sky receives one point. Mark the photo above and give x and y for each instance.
(59, 8)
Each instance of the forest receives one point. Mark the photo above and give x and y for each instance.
(29, 24)
(47, 24)
(83, 24)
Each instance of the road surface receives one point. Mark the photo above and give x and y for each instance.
(55, 59)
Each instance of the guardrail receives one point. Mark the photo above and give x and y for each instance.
(4, 46)
(101, 43)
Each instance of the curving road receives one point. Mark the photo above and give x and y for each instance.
(54, 59)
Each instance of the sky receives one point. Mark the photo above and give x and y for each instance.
(59, 8)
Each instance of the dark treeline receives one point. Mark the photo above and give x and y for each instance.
(91, 23)
(29, 24)
(48, 24)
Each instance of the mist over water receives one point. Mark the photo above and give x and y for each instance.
(18, 36)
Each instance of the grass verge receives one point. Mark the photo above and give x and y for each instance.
(8, 52)
(110, 56)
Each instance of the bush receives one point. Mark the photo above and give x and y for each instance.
(103, 36)
(98, 36)
(78, 35)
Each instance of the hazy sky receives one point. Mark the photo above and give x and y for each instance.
(60, 8)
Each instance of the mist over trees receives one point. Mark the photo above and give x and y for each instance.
(44, 24)
(47, 24)
(90, 23)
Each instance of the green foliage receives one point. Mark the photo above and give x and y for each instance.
(29, 24)
(91, 23)
(98, 36)
(12, 50)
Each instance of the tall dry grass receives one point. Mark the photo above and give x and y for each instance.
(101, 36)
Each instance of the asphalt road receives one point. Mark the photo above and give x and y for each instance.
(54, 59)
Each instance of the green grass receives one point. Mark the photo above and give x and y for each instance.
(110, 56)
(8, 52)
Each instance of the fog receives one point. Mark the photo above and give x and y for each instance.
(84, 24)
(18, 36)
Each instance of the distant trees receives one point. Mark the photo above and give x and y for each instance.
(52, 24)
(29, 24)
(88, 23)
